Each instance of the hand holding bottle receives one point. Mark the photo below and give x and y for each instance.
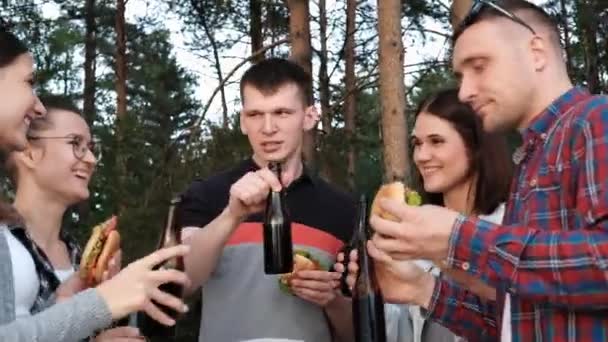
(400, 281)
(278, 244)
(248, 195)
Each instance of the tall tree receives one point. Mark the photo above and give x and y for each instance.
(301, 53)
(350, 101)
(392, 91)
(588, 31)
(90, 51)
(121, 103)
(459, 10)
(324, 95)
(324, 92)
(121, 60)
(255, 29)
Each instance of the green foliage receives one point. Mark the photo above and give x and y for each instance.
(162, 155)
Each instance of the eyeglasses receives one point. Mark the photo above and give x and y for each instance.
(79, 145)
(476, 10)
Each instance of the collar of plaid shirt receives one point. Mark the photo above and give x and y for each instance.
(46, 273)
(542, 126)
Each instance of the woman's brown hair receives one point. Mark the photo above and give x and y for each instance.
(489, 158)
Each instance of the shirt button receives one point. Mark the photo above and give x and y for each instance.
(533, 182)
(465, 266)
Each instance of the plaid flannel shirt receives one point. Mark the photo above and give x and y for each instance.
(551, 252)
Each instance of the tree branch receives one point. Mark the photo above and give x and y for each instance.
(200, 119)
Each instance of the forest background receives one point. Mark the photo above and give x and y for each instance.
(157, 80)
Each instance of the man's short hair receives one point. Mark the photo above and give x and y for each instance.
(269, 75)
(536, 13)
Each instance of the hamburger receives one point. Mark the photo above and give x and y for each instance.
(103, 243)
(396, 191)
(302, 261)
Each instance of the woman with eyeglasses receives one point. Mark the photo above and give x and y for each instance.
(49, 176)
(80, 315)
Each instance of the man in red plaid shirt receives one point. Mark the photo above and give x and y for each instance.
(548, 261)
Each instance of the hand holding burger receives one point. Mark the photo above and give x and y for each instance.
(101, 247)
(302, 261)
(396, 191)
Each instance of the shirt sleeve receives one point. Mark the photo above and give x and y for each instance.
(463, 312)
(197, 207)
(564, 266)
(71, 320)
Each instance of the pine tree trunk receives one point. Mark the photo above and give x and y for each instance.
(460, 9)
(255, 29)
(324, 92)
(325, 165)
(301, 53)
(121, 103)
(90, 52)
(350, 101)
(589, 27)
(392, 91)
(202, 17)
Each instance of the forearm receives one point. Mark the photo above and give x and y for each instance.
(70, 320)
(207, 246)
(564, 268)
(461, 311)
(467, 281)
(340, 316)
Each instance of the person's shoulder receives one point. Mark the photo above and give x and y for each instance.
(219, 181)
(333, 193)
(590, 111)
(582, 122)
(496, 216)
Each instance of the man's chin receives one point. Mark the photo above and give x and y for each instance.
(492, 126)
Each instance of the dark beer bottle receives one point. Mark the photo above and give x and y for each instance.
(171, 236)
(278, 246)
(368, 304)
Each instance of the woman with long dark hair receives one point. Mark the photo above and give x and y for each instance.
(461, 167)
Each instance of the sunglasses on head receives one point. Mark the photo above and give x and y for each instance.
(477, 9)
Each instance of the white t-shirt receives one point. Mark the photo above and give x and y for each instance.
(505, 332)
(62, 275)
(25, 278)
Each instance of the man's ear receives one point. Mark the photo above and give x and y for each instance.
(540, 48)
(27, 157)
(311, 117)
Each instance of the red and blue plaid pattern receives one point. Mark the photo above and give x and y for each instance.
(551, 253)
